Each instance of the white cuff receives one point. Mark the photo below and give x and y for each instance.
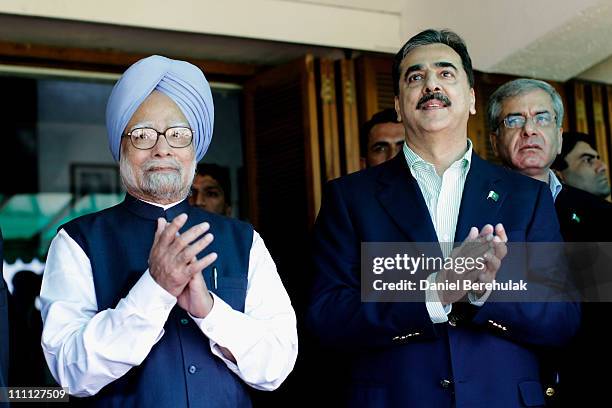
(478, 301)
(437, 312)
(150, 299)
(229, 328)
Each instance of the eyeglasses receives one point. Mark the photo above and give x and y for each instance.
(146, 138)
(539, 120)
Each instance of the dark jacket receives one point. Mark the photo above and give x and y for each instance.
(399, 358)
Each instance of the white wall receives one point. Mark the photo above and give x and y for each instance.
(70, 130)
(332, 23)
(549, 39)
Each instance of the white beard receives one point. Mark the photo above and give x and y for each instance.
(167, 186)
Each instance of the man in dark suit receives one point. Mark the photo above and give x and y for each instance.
(436, 352)
(580, 166)
(584, 214)
(525, 117)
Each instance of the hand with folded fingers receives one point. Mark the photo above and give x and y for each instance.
(489, 246)
(172, 261)
(497, 252)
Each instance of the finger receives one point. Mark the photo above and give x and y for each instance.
(194, 232)
(203, 263)
(161, 225)
(183, 240)
(473, 234)
(489, 274)
(500, 231)
(169, 233)
(474, 249)
(472, 274)
(470, 245)
(493, 263)
(191, 251)
(501, 250)
(486, 232)
(486, 277)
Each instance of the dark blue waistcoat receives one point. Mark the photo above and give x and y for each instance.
(180, 370)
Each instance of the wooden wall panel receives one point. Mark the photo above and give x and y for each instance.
(375, 85)
(349, 122)
(282, 145)
(39, 55)
(477, 128)
(580, 110)
(560, 88)
(599, 121)
(328, 124)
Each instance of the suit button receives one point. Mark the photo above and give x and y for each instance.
(452, 320)
(184, 321)
(192, 369)
(446, 384)
(550, 391)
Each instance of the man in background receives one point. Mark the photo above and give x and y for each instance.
(524, 118)
(579, 165)
(382, 137)
(211, 189)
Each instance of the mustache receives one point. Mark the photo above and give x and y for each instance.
(436, 95)
(167, 163)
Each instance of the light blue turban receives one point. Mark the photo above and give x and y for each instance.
(183, 82)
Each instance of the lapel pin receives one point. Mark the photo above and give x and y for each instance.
(575, 217)
(493, 196)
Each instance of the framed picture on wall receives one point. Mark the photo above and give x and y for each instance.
(94, 179)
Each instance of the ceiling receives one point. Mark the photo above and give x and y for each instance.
(548, 39)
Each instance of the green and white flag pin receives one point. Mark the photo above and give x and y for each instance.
(493, 196)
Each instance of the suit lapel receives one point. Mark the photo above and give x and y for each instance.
(477, 208)
(400, 195)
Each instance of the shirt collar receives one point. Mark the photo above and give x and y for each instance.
(412, 158)
(554, 184)
(164, 206)
(153, 211)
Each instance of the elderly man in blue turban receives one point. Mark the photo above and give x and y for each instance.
(141, 305)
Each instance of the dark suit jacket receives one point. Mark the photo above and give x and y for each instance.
(476, 364)
(585, 366)
(583, 216)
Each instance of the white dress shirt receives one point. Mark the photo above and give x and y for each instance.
(554, 184)
(87, 348)
(442, 195)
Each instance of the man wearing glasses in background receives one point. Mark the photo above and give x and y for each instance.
(141, 306)
(524, 118)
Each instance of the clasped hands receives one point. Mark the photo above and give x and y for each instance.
(173, 263)
(488, 244)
